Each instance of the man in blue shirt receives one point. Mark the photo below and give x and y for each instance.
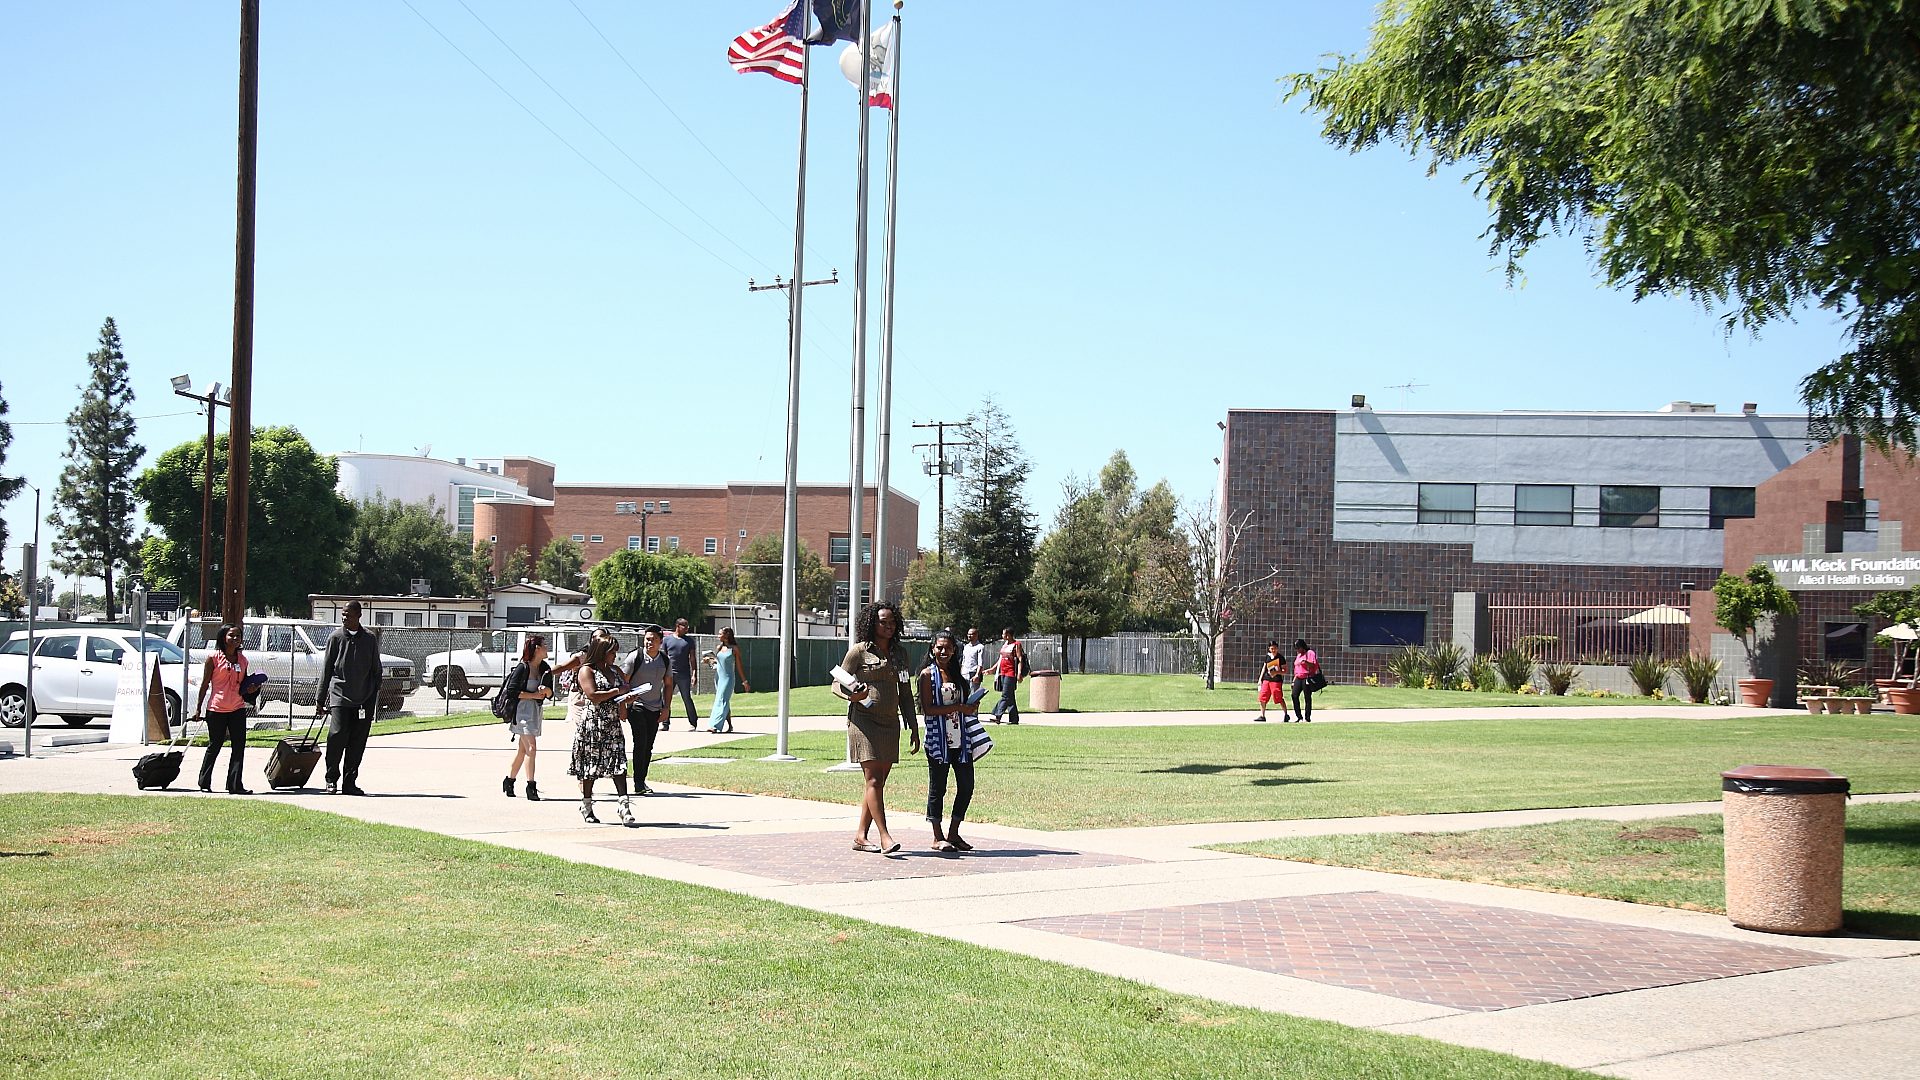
(679, 649)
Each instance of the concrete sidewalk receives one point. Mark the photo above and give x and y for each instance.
(1619, 988)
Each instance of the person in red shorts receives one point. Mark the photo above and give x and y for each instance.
(1273, 682)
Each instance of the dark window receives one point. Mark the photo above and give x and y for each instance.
(523, 615)
(103, 650)
(16, 647)
(1846, 641)
(1542, 504)
(60, 648)
(1446, 504)
(1629, 507)
(414, 618)
(838, 549)
(1853, 515)
(445, 621)
(1387, 628)
(1728, 502)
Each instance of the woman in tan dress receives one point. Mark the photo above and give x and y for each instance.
(879, 665)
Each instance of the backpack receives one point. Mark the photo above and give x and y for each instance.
(506, 701)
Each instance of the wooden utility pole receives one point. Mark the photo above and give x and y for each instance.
(940, 467)
(233, 591)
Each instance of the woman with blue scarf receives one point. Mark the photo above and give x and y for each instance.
(955, 739)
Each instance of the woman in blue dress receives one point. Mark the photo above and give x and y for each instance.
(726, 672)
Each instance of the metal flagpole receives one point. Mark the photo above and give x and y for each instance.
(884, 433)
(790, 542)
(858, 449)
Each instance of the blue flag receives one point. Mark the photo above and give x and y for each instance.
(840, 20)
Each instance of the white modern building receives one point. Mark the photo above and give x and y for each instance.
(452, 485)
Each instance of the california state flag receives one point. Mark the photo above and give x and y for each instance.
(880, 82)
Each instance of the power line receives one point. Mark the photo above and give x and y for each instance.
(624, 190)
(609, 139)
(50, 423)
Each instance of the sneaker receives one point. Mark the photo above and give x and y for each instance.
(645, 790)
(333, 788)
(1259, 719)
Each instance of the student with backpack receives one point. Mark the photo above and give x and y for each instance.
(522, 697)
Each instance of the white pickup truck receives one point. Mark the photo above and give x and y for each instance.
(479, 671)
(292, 651)
(76, 673)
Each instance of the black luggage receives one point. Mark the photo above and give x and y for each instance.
(157, 770)
(293, 760)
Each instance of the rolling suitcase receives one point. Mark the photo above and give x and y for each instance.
(293, 760)
(158, 769)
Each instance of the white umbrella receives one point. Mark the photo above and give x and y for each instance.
(1898, 632)
(1658, 615)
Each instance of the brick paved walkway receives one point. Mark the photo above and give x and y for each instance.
(1463, 956)
(822, 858)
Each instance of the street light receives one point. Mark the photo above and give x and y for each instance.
(211, 400)
(644, 510)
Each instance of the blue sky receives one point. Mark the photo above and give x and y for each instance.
(1117, 231)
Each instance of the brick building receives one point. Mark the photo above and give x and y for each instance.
(1392, 529)
(704, 519)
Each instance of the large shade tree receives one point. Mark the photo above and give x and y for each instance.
(1757, 157)
(634, 586)
(393, 544)
(93, 505)
(297, 523)
(1079, 586)
(993, 536)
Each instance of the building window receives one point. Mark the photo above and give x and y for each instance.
(445, 622)
(837, 550)
(743, 534)
(866, 552)
(650, 508)
(1853, 515)
(476, 622)
(1845, 641)
(383, 618)
(624, 508)
(711, 546)
(1446, 504)
(653, 543)
(633, 543)
(1629, 507)
(415, 618)
(666, 506)
(579, 538)
(1728, 502)
(1543, 504)
(1386, 629)
(598, 539)
(673, 543)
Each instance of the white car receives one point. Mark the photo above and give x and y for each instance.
(479, 671)
(291, 653)
(76, 673)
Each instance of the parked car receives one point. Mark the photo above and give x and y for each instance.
(479, 671)
(76, 673)
(291, 653)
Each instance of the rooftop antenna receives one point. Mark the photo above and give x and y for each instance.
(424, 451)
(1407, 389)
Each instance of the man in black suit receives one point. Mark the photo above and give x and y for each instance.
(350, 688)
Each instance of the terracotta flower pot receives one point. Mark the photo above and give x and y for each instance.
(1905, 700)
(1863, 706)
(1754, 691)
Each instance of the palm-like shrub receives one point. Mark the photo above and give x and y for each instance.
(1482, 675)
(1446, 664)
(1408, 667)
(1559, 677)
(1515, 665)
(1697, 673)
(1649, 674)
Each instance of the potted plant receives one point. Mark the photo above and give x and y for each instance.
(1739, 605)
(1861, 698)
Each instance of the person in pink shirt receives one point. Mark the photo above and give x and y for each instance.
(227, 722)
(1306, 664)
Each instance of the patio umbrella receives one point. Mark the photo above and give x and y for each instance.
(1658, 615)
(1898, 632)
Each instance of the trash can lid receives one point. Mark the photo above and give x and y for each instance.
(1782, 780)
(1043, 673)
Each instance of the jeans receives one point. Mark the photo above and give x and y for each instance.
(227, 727)
(684, 684)
(937, 790)
(347, 732)
(644, 724)
(1304, 712)
(1006, 684)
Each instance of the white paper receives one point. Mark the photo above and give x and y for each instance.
(635, 692)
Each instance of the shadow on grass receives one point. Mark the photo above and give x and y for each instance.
(1892, 924)
(1907, 835)
(1211, 770)
(1286, 781)
(24, 854)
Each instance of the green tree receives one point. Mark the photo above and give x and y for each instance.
(1150, 548)
(1741, 602)
(392, 543)
(297, 523)
(992, 536)
(759, 572)
(634, 586)
(1900, 609)
(560, 562)
(479, 572)
(936, 592)
(1755, 157)
(77, 601)
(13, 600)
(1079, 587)
(93, 504)
(519, 566)
(9, 485)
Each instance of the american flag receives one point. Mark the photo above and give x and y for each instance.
(774, 48)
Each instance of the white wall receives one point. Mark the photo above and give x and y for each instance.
(413, 479)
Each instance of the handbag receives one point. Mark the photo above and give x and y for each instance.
(1316, 682)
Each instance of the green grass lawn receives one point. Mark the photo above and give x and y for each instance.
(1674, 862)
(1188, 693)
(1080, 778)
(156, 937)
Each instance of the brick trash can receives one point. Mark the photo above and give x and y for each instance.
(1044, 694)
(1785, 830)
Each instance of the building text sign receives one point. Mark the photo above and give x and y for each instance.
(1876, 571)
